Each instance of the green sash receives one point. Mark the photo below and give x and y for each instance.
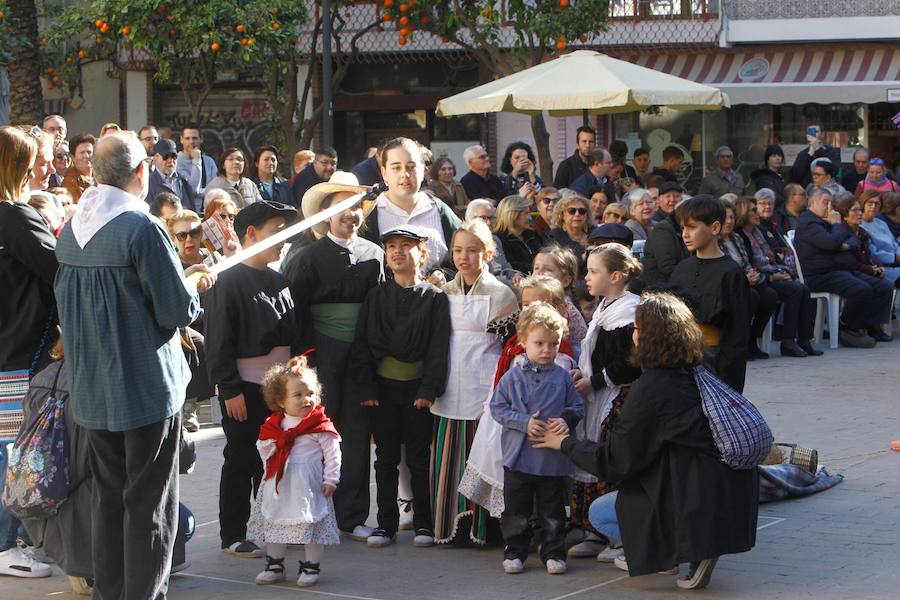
(336, 320)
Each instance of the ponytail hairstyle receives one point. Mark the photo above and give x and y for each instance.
(617, 257)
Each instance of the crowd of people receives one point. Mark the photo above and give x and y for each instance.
(519, 352)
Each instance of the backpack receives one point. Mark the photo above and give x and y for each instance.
(738, 428)
(37, 477)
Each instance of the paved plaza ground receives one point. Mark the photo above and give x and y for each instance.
(837, 544)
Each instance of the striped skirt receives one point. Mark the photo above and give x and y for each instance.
(457, 519)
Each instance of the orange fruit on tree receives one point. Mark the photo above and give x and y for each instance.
(98, 23)
(215, 47)
(388, 3)
(56, 79)
(424, 19)
(404, 32)
(252, 42)
(404, 20)
(50, 70)
(98, 41)
(445, 39)
(276, 26)
(404, 7)
(402, 40)
(563, 3)
(82, 54)
(239, 28)
(387, 17)
(104, 28)
(126, 30)
(244, 41)
(561, 45)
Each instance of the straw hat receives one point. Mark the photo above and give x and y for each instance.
(341, 181)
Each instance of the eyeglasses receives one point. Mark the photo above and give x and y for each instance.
(572, 210)
(485, 218)
(856, 209)
(65, 155)
(876, 161)
(194, 233)
(327, 163)
(227, 216)
(170, 157)
(548, 200)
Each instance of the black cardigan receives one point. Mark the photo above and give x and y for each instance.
(678, 503)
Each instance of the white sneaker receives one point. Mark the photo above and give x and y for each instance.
(361, 533)
(621, 563)
(19, 564)
(424, 538)
(380, 539)
(556, 567)
(512, 566)
(610, 554)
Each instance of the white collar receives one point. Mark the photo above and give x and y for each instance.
(423, 204)
(98, 206)
(343, 243)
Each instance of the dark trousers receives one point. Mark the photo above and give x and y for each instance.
(799, 309)
(135, 507)
(523, 496)
(761, 306)
(351, 499)
(242, 469)
(395, 421)
(868, 299)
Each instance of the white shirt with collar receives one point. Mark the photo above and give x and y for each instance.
(346, 244)
(424, 214)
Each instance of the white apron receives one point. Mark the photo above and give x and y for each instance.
(473, 359)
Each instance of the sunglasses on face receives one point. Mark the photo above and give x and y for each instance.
(183, 235)
(876, 161)
(576, 211)
(550, 200)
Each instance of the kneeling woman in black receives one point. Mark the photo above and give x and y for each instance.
(677, 501)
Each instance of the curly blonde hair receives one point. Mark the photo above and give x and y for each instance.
(274, 383)
(668, 334)
(550, 285)
(541, 314)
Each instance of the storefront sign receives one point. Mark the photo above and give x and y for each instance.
(754, 69)
(893, 95)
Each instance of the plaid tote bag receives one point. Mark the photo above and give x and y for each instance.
(739, 430)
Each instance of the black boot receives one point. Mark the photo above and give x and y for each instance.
(807, 347)
(791, 348)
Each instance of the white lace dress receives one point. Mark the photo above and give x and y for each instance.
(298, 512)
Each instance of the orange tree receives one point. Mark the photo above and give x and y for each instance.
(187, 44)
(504, 37)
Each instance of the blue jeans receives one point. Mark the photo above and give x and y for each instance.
(602, 515)
(9, 525)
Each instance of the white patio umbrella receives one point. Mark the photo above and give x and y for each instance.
(584, 82)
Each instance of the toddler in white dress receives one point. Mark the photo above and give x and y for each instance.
(300, 448)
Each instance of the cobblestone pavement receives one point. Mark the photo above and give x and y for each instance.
(837, 544)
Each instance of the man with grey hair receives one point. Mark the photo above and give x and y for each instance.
(55, 125)
(723, 179)
(479, 182)
(122, 296)
(859, 171)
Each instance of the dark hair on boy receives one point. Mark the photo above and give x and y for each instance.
(672, 152)
(640, 152)
(164, 199)
(326, 151)
(654, 180)
(703, 208)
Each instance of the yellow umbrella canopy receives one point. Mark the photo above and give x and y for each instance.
(584, 80)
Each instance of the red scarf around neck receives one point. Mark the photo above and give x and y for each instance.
(314, 422)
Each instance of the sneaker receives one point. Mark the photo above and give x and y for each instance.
(190, 422)
(309, 574)
(855, 339)
(244, 549)
(360, 533)
(513, 566)
(590, 546)
(406, 516)
(424, 538)
(699, 576)
(274, 572)
(380, 538)
(621, 563)
(181, 567)
(556, 567)
(19, 564)
(611, 554)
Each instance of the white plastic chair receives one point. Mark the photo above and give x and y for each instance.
(832, 302)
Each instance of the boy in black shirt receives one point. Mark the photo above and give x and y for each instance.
(250, 324)
(718, 285)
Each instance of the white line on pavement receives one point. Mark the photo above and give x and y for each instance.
(588, 589)
(207, 523)
(277, 587)
(776, 521)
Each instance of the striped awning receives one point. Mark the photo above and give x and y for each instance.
(770, 76)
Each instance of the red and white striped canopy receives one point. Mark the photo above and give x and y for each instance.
(778, 76)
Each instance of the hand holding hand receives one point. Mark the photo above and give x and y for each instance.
(558, 425)
(536, 427)
(551, 440)
(583, 387)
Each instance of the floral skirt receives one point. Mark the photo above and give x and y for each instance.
(457, 519)
(583, 494)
